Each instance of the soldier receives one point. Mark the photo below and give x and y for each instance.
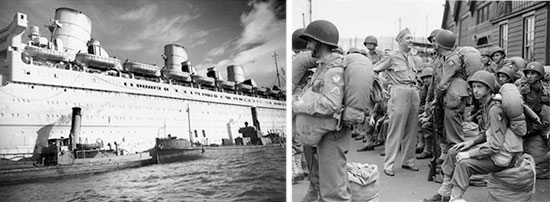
(535, 92)
(322, 37)
(498, 56)
(426, 136)
(403, 104)
(491, 156)
(488, 64)
(536, 95)
(506, 75)
(452, 88)
(373, 53)
(302, 62)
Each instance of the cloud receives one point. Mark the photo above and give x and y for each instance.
(263, 33)
(144, 13)
(150, 29)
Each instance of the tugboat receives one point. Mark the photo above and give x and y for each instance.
(171, 149)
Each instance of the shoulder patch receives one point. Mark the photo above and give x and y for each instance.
(336, 78)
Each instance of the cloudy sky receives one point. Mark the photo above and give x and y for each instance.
(359, 18)
(214, 32)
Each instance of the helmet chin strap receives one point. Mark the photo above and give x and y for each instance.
(317, 50)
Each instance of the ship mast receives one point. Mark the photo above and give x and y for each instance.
(277, 69)
(189, 123)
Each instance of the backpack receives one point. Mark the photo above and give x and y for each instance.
(513, 107)
(361, 89)
(471, 60)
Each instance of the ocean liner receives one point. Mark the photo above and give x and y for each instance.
(127, 104)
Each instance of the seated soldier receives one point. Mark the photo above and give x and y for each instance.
(496, 149)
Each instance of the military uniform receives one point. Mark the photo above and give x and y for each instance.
(495, 139)
(375, 56)
(331, 149)
(454, 90)
(301, 65)
(403, 107)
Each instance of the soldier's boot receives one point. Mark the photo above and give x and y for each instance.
(420, 146)
(437, 198)
(312, 195)
(428, 149)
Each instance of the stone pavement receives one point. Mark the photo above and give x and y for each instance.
(407, 185)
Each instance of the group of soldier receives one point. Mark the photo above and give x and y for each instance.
(430, 104)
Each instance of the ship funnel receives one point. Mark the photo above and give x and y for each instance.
(75, 127)
(75, 29)
(235, 73)
(174, 56)
(212, 73)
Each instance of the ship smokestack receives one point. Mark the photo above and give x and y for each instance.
(75, 127)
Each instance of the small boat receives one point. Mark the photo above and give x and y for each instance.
(35, 51)
(227, 85)
(98, 61)
(245, 88)
(171, 149)
(177, 75)
(141, 68)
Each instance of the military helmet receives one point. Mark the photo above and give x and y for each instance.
(297, 42)
(486, 78)
(434, 34)
(353, 50)
(485, 52)
(518, 62)
(427, 71)
(534, 66)
(363, 52)
(497, 49)
(445, 39)
(508, 71)
(322, 31)
(371, 39)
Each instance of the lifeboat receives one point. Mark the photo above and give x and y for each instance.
(227, 85)
(275, 92)
(37, 52)
(245, 88)
(98, 61)
(263, 91)
(141, 68)
(177, 75)
(205, 81)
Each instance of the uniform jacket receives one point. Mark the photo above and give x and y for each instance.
(323, 95)
(400, 67)
(376, 55)
(535, 98)
(500, 143)
(301, 63)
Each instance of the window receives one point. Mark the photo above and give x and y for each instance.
(483, 14)
(528, 37)
(503, 41)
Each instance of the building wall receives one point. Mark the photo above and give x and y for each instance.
(469, 32)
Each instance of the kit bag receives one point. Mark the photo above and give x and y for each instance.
(361, 89)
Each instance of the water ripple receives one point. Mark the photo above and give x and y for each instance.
(235, 175)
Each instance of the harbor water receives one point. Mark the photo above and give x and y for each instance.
(222, 175)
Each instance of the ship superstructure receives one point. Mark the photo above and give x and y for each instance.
(124, 103)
